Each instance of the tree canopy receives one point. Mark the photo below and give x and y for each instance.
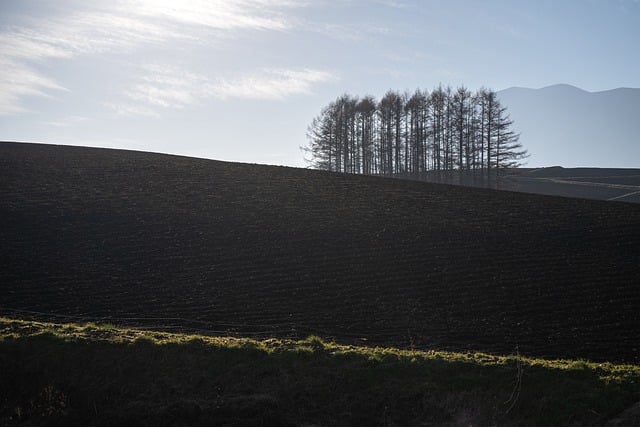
(406, 134)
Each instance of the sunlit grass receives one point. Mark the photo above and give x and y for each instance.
(78, 373)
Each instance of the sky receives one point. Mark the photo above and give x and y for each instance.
(241, 80)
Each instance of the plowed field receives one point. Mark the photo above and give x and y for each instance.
(225, 248)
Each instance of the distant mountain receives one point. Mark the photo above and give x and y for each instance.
(565, 125)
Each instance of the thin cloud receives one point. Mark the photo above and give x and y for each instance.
(17, 81)
(358, 33)
(68, 121)
(271, 84)
(218, 14)
(82, 33)
(392, 3)
(168, 87)
(128, 110)
(125, 27)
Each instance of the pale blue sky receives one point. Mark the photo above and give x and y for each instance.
(240, 80)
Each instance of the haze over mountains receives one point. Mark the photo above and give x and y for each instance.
(567, 126)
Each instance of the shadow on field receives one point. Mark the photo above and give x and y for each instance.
(49, 378)
(168, 242)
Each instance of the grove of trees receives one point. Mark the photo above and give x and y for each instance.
(415, 134)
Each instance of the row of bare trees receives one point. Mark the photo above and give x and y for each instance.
(411, 134)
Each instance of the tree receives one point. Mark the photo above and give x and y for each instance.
(321, 148)
(438, 109)
(390, 111)
(461, 118)
(416, 111)
(411, 134)
(508, 150)
(365, 114)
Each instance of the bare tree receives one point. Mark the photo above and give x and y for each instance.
(508, 149)
(389, 128)
(321, 140)
(365, 113)
(412, 134)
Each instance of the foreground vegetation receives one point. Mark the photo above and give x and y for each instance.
(69, 374)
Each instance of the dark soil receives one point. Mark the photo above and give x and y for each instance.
(225, 248)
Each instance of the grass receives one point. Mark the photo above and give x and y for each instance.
(71, 374)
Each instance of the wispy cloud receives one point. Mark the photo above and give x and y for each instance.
(271, 84)
(360, 32)
(18, 80)
(392, 3)
(129, 110)
(218, 14)
(82, 33)
(126, 26)
(169, 87)
(67, 121)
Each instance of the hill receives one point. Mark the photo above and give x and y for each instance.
(592, 183)
(172, 242)
(622, 185)
(565, 125)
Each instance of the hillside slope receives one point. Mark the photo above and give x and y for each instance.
(174, 242)
(622, 185)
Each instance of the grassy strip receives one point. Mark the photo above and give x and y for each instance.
(68, 374)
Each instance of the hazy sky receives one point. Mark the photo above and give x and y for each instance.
(241, 80)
